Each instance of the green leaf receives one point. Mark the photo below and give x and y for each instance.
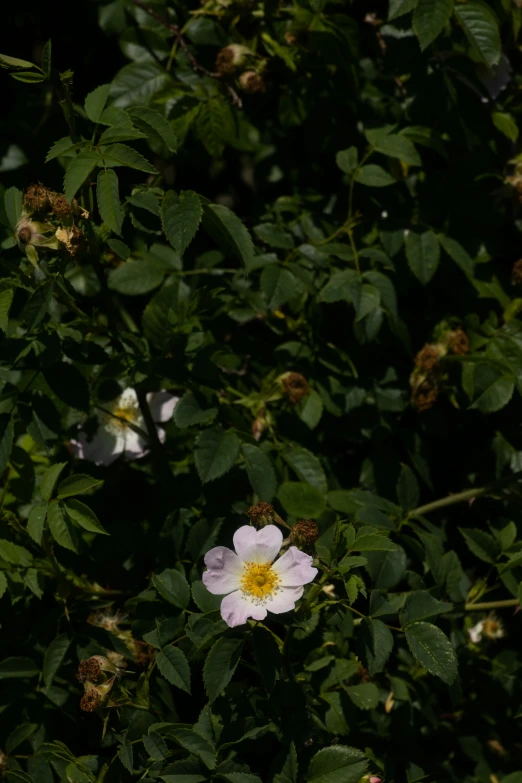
(147, 119)
(301, 500)
(112, 135)
(290, 770)
(173, 587)
(260, 471)
(365, 696)
(481, 544)
(274, 236)
(126, 755)
(488, 388)
(195, 744)
(457, 253)
(54, 656)
(203, 599)
(430, 19)
(342, 285)
(62, 146)
(83, 516)
(13, 205)
(407, 489)
(108, 198)
(69, 385)
(78, 485)
(505, 123)
(229, 232)
(60, 527)
(423, 253)
(398, 8)
(307, 467)
(386, 568)
(36, 522)
(12, 63)
(49, 479)
(480, 24)
(268, 657)
(12, 553)
(420, 605)
(216, 452)
(6, 440)
(337, 764)
(181, 217)
(374, 176)
(239, 777)
(136, 83)
(394, 145)
(96, 101)
(40, 770)
(122, 155)
(77, 172)
(189, 413)
(370, 540)
(279, 285)
(3, 584)
(46, 59)
(38, 304)
(347, 160)
(6, 300)
(155, 746)
(136, 277)
(19, 735)
(433, 650)
(220, 665)
(173, 665)
(11, 668)
(310, 409)
(376, 643)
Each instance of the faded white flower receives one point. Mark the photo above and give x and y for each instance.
(116, 433)
(490, 627)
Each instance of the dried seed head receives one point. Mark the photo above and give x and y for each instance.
(295, 386)
(458, 341)
(89, 669)
(251, 81)
(428, 356)
(231, 58)
(261, 514)
(304, 533)
(90, 700)
(61, 207)
(37, 198)
(424, 390)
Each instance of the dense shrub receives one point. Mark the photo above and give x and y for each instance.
(268, 275)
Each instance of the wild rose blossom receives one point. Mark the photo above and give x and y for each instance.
(490, 627)
(115, 434)
(252, 583)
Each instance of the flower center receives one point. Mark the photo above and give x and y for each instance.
(259, 581)
(126, 415)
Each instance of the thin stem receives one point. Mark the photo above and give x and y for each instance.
(485, 605)
(196, 66)
(467, 494)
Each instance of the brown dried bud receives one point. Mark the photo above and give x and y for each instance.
(458, 341)
(261, 514)
(231, 58)
(251, 81)
(424, 392)
(144, 653)
(428, 356)
(304, 533)
(90, 700)
(37, 198)
(61, 207)
(516, 272)
(291, 37)
(89, 669)
(258, 426)
(295, 386)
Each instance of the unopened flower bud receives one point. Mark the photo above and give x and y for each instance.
(258, 426)
(304, 533)
(251, 81)
(261, 514)
(231, 58)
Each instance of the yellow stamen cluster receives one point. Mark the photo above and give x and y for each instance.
(259, 580)
(128, 414)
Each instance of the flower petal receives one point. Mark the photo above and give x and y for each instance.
(236, 609)
(135, 446)
(127, 399)
(475, 633)
(103, 449)
(258, 546)
(284, 600)
(224, 571)
(295, 568)
(161, 405)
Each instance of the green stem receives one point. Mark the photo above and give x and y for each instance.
(485, 605)
(467, 494)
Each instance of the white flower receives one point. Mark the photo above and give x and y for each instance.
(115, 434)
(251, 582)
(490, 627)
(475, 633)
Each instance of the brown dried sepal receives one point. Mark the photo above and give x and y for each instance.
(37, 198)
(305, 532)
(458, 341)
(428, 356)
(74, 241)
(144, 653)
(295, 386)
(90, 700)
(61, 207)
(89, 669)
(261, 514)
(424, 391)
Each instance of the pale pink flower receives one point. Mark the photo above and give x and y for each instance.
(252, 583)
(115, 434)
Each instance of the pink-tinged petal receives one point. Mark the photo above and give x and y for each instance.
(103, 449)
(224, 571)
(127, 399)
(258, 546)
(135, 447)
(161, 405)
(284, 600)
(236, 609)
(295, 568)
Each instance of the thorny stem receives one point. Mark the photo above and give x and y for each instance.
(174, 29)
(467, 494)
(485, 605)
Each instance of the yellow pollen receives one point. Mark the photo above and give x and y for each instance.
(259, 580)
(126, 416)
